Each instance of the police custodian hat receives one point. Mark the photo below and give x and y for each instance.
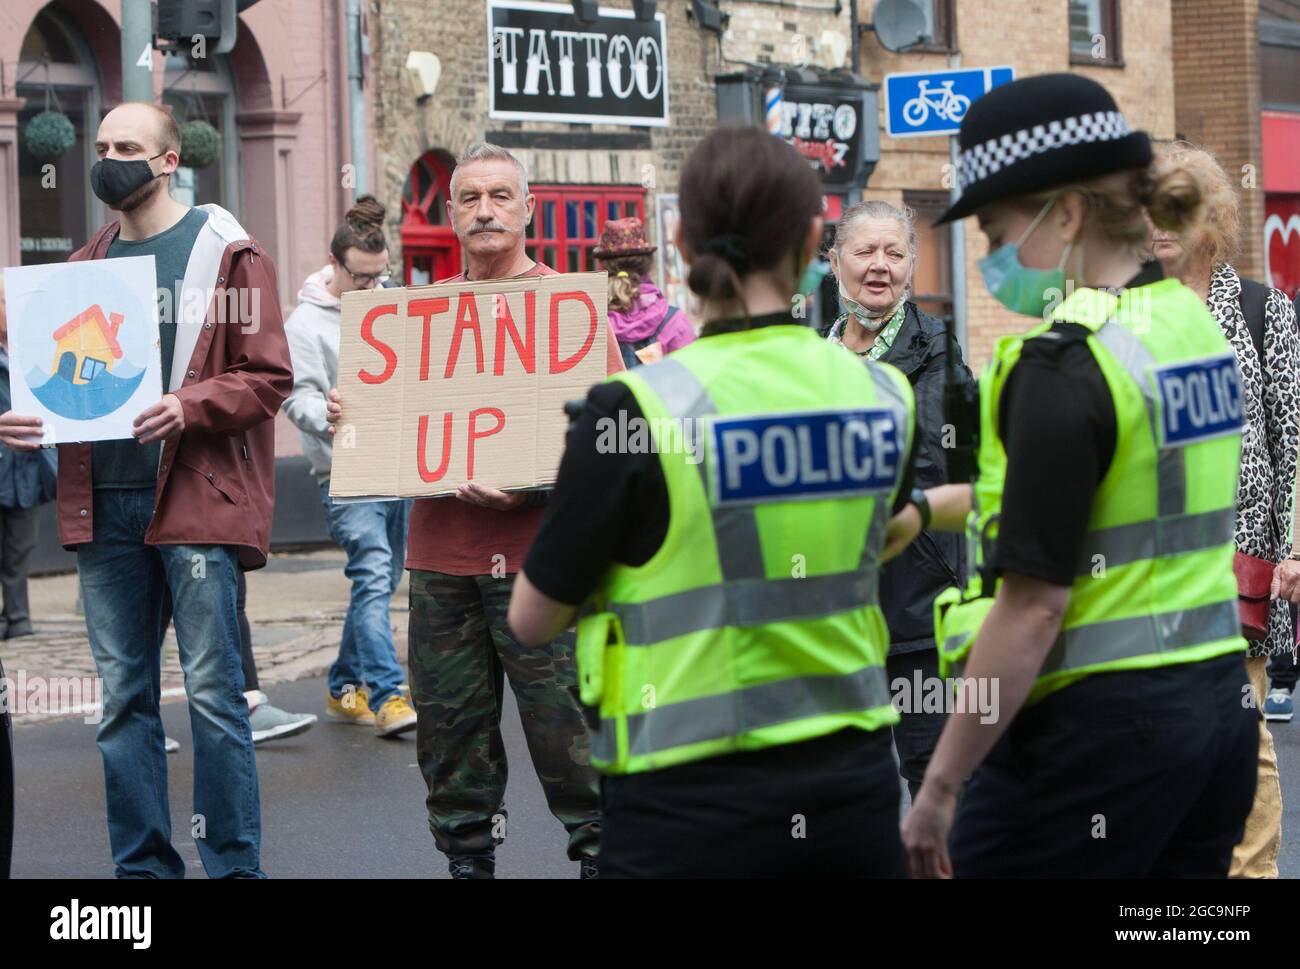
(1038, 133)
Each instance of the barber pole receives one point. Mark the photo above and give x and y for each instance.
(772, 99)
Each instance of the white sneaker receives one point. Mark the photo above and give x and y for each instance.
(170, 746)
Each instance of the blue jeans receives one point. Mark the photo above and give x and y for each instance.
(122, 586)
(373, 534)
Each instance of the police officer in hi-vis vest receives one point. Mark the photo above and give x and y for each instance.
(1102, 602)
(720, 516)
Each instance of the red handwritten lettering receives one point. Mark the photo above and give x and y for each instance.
(527, 350)
(426, 308)
(558, 365)
(466, 319)
(368, 334)
(425, 473)
(475, 436)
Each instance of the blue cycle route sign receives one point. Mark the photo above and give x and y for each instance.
(934, 102)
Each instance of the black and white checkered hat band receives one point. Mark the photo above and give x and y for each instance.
(997, 153)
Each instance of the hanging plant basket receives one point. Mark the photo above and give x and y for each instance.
(200, 144)
(49, 135)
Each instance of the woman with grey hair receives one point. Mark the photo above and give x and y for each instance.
(873, 258)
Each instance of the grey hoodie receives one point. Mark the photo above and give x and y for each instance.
(313, 332)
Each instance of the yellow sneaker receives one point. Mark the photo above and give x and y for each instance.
(352, 707)
(394, 717)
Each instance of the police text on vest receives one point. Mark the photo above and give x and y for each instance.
(1199, 400)
(808, 454)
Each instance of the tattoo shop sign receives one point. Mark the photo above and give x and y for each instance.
(545, 64)
(461, 382)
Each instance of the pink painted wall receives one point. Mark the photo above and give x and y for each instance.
(290, 72)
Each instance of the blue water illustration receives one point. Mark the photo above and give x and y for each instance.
(82, 402)
(77, 373)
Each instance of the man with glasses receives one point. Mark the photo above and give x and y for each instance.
(365, 681)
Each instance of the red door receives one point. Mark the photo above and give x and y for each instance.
(430, 250)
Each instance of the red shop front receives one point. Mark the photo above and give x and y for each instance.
(1281, 137)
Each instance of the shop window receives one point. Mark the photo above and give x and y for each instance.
(569, 218)
(202, 89)
(932, 276)
(1094, 32)
(1279, 68)
(940, 25)
(55, 207)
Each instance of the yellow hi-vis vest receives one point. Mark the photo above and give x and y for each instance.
(756, 622)
(1154, 584)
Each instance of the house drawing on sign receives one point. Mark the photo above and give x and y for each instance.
(86, 345)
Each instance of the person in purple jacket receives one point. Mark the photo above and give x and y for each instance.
(644, 323)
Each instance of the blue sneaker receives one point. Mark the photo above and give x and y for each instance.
(1278, 705)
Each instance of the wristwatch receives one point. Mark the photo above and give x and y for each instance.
(922, 503)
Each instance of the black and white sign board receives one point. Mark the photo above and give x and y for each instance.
(827, 125)
(546, 65)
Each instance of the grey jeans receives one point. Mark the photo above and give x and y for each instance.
(17, 540)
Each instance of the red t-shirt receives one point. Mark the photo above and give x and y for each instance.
(452, 536)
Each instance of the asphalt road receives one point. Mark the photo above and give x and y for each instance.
(337, 802)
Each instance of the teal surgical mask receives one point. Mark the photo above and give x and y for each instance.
(813, 276)
(871, 320)
(1018, 287)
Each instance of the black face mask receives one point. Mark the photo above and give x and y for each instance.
(113, 179)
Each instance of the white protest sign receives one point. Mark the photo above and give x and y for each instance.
(83, 345)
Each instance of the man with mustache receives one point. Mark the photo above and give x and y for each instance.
(463, 553)
(178, 510)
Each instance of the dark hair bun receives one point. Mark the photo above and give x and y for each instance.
(366, 213)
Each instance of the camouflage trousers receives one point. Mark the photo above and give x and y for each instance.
(460, 652)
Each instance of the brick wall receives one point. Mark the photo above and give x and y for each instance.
(1216, 76)
(457, 114)
(1033, 37)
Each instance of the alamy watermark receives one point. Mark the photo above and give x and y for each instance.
(48, 696)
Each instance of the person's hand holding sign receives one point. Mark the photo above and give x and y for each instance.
(20, 433)
(333, 409)
(477, 494)
(161, 421)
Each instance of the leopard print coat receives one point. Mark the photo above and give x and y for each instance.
(1266, 488)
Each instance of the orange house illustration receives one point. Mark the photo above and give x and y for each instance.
(86, 345)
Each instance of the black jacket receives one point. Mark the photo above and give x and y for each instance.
(936, 560)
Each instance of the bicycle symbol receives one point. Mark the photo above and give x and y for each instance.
(947, 105)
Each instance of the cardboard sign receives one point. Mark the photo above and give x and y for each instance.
(83, 345)
(462, 382)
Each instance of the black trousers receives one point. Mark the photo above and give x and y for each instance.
(17, 540)
(1147, 773)
(6, 787)
(822, 808)
(1282, 669)
(917, 733)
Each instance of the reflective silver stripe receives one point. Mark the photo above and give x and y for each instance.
(735, 527)
(1171, 481)
(744, 602)
(871, 549)
(730, 714)
(1138, 541)
(1105, 642)
(1171, 464)
(740, 550)
(681, 393)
